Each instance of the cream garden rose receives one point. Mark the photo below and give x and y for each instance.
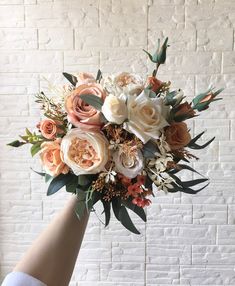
(145, 117)
(85, 152)
(128, 165)
(114, 109)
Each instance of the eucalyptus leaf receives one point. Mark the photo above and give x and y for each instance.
(85, 180)
(136, 209)
(39, 173)
(92, 100)
(16, 143)
(116, 205)
(72, 184)
(181, 167)
(107, 208)
(150, 150)
(71, 78)
(99, 76)
(198, 147)
(126, 220)
(57, 183)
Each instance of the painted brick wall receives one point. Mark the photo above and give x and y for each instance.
(188, 240)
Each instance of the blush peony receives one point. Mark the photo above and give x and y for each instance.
(85, 152)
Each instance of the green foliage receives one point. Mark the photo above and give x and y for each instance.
(16, 143)
(107, 208)
(193, 145)
(35, 148)
(202, 101)
(159, 57)
(72, 184)
(137, 210)
(59, 182)
(92, 100)
(174, 97)
(71, 78)
(126, 221)
(99, 76)
(150, 150)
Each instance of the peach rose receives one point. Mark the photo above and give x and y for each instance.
(81, 114)
(84, 78)
(154, 83)
(177, 135)
(51, 158)
(85, 152)
(49, 128)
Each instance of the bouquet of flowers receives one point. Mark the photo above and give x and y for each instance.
(117, 139)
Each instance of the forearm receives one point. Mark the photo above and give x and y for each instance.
(53, 255)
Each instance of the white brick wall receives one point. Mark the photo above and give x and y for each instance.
(188, 240)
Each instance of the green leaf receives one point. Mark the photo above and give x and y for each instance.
(39, 173)
(72, 184)
(126, 220)
(57, 183)
(48, 178)
(81, 194)
(150, 56)
(99, 76)
(116, 204)
(185, 190)
(35, 148)
(107, 208)
(96, 197)
(162, 52)
(184, 167)
(16, 143)
(195, 138)
(28, 132)
(80, 209)
(85, 180)
(71, 78)
(198, 147)
(92, 100)
(137, 210)
(150, 149)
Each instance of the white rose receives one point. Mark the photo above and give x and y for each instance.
(129, 166)
(145, 117)
(114, 109)
(84, 151)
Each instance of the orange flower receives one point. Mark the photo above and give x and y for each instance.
(49, 128)
(154, 83)
(177, 135)
(51, 158)
(140, 202)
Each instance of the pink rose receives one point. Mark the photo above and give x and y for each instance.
(81, 114)
(49, 128)
(84, 78)
(51, 158)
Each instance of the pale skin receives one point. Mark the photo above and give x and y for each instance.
(52, 256)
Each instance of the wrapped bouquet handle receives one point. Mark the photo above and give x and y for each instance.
(118, 139)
